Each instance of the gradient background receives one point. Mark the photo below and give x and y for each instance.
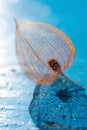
(68, 15)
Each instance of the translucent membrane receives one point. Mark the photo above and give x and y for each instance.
(59, 106)
(36, 44)
(44, 52)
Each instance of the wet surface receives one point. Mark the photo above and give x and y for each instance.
(16, 93)
(15, 96)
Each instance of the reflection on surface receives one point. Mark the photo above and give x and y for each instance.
(16, 92)
(62, 104)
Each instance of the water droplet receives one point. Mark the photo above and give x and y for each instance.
(13, 70)
(6, 124)
(1, 108)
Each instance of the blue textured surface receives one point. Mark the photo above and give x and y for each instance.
(16, 93)
(15, 96)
